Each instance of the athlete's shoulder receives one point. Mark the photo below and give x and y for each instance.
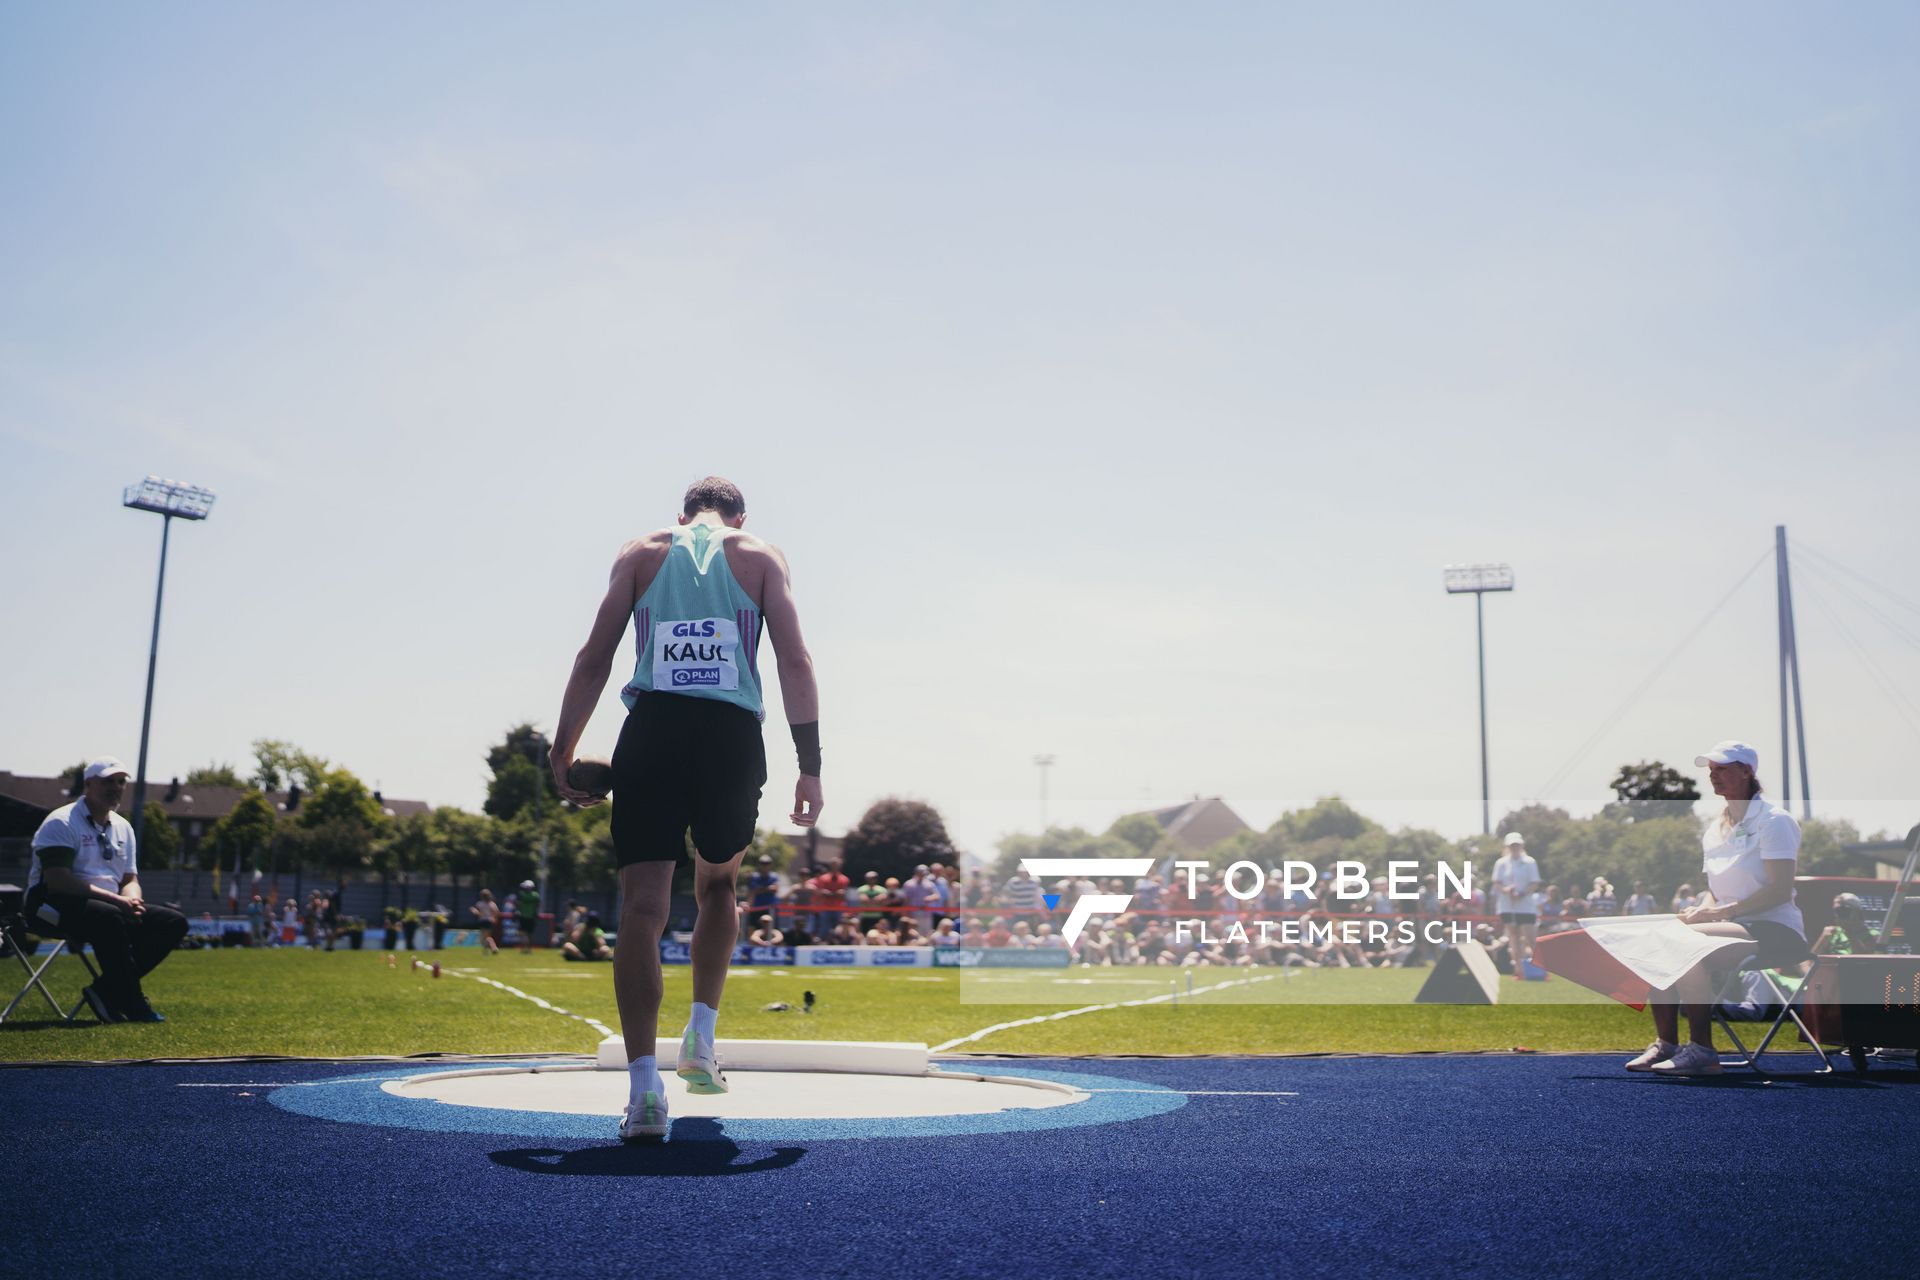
(654, 543)
(742, 545)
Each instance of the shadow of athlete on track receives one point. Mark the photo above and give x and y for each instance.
(695, 1148)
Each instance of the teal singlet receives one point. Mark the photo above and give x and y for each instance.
(696, 632)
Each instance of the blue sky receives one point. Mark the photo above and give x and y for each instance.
(1118, 380)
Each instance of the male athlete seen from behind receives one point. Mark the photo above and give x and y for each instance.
(689, 756)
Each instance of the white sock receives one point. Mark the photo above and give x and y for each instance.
(701, 1021)
(643, 1076)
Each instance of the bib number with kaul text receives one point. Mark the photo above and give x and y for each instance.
(696, 655)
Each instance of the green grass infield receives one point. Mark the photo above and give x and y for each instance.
(315, 1004)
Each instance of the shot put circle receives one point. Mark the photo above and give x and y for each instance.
(571, 1103)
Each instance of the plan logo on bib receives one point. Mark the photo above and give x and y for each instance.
(1087, 905)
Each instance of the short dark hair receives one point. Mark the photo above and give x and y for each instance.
(715, 493)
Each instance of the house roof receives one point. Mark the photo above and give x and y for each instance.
(1200, 823)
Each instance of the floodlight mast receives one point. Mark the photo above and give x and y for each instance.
(541, 747)
(1043, 763)
(167, 499)
(1476, 580)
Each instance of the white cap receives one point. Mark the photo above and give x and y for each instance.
(106, 767)
(1730, 752)
(1513, 838)
(526, 884)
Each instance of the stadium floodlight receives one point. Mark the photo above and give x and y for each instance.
(168, 499)
(1462, 578)
(1477, 580)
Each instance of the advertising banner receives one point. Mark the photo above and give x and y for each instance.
(864, 957)
(999, 958)
(674, 951)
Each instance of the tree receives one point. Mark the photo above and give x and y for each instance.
(1329, 818)
(408, 844)
(475, 846)
(245, 832)
(278, 763)
(1823, 844)
(339, 824)
(895, 835)
(159, 842)
(1141, 830)
(520, 772)
(1055, 842)
(1539, 825)
(218, 774)
(1651, 789)
(342, 797)
(511, 790)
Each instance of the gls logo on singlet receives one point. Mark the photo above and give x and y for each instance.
(696, 655)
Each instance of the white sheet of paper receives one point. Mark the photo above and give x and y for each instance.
(1658, 949)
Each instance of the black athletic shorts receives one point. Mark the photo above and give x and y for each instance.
(1775, 943)
(686, 763)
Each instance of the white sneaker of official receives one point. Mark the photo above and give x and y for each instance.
(1691, 1060)
(1657, 1052)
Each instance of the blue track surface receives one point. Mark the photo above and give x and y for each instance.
(1499, 1166)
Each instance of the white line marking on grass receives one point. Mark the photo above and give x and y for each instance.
(602, 1028)
(1162, 998)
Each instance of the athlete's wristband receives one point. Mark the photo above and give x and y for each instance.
(806, 742)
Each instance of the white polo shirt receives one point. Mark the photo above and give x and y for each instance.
(1515, 881)
(1735, 858)
(99, 858)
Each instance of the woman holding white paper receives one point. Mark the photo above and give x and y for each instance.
(1750, 855)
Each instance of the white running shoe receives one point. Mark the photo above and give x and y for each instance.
(1657, 1052)
(1692, 1060)
(699, 1065)
(646, 1120)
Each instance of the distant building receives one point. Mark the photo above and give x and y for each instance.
(191, 810)
(1880, 859)
(1199, 824)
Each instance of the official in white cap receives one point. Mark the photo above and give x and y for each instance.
(85, 881)
(1751, 852)
(1516, 893)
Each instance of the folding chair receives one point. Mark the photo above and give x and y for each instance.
(18, 944)
(1789, 1000)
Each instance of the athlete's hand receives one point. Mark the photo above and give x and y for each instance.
(561, 768)
(806, 801)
